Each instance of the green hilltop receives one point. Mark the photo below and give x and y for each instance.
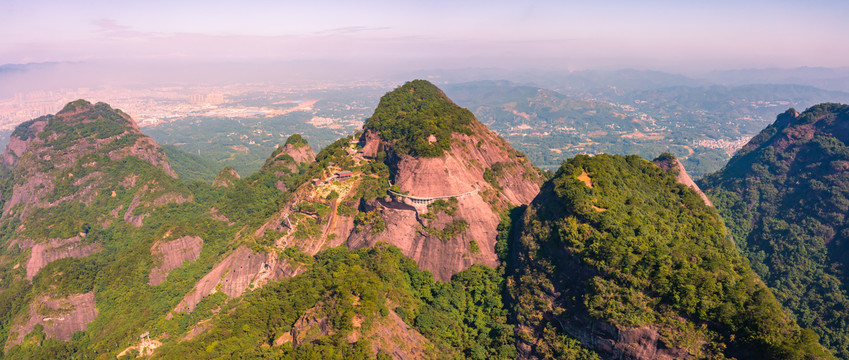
(410, 114)
(616, 240)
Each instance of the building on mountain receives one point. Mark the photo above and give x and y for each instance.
(343, 175)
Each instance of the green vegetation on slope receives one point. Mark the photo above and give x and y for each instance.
(784, 197)
(353, 293)
(296, 140)
(100, 123)
(243, 144)
(638, 249)
(410, 114)
(190, 167)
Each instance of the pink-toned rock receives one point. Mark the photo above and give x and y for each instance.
(241, 270)
(683, 177)
(29, 194)
(172, 198)
(459, 173)
(389, 334)
(310, 327)
(616, 342)
(226, 177)
(393, 336)
(146, 149)
(171, 255)
(28, 151)
(17, 147)
(301, 153)
(43, 253)
(371, 143)
(135, 220)
(61, 317)
(443, 258)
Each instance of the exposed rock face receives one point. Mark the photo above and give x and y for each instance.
(302, 153)
(463, 166)
(43, 253)
(235, 274)
(370, 141)
(172, 255)
(623, 342)
(226, 178)
(460, 171)
(389, 334)
(61, 317)
(443, 258)
(164, 199)
(392, 335)
(43, 149)
(674, 165)
(310, 327)
(287, 158)
(18, 145)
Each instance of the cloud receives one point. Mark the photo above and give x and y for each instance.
(109, 25)
(111, 29)
(350, 30)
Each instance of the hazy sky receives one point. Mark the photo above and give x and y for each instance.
(568, 34)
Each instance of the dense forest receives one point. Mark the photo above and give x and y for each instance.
(784, 198)
(617, 240)
(611, 243)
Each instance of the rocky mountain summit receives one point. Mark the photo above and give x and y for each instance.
(453, 179)
(425, 235)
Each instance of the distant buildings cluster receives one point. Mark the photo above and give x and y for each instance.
(151, 106)
(728, 145)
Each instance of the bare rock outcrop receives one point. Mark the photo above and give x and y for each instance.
(43, 253)
(43, 150)
(60, 317)
(239, 271)
(226, 177)
(442, 257)
(310, 327)
(171, 255)
(481, 171)
(289, 157)
(164, 199)
(671, 164)
(370, 141)
(617, 342)
(302, 153)
(388, 334)
(393, 336)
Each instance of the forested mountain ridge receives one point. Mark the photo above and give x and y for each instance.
(399, 242)
(77, 187)
(615, 258)
(186, 251)
(784, 199)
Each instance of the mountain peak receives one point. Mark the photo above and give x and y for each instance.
(80, 139)
(784, 200)
(296, 141)
(418, 119)
(83, 111)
